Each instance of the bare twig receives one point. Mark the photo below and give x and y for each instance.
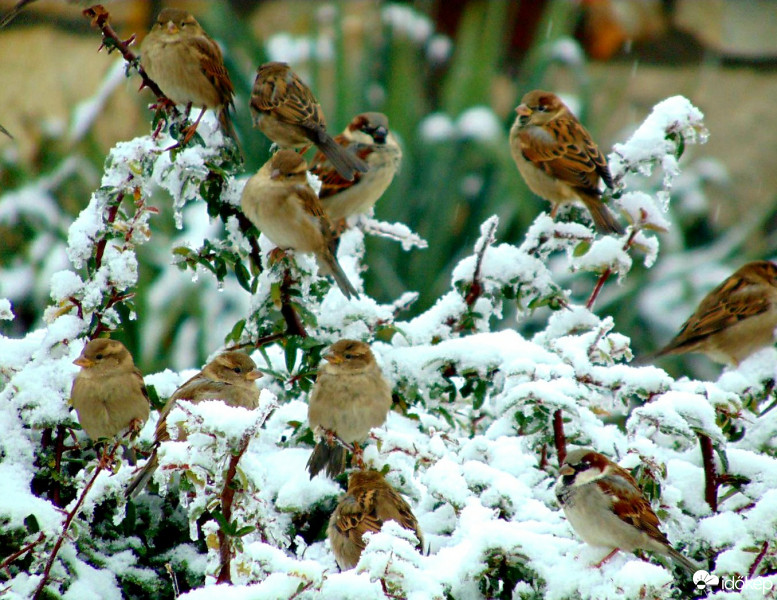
(710, 473)
(99, 18)
(293, 323)
(487, 239)
(607, 272)
(227, 500)
(21, 551)
(11, 14)
(103, 463)
(758, 559)
(559, 439)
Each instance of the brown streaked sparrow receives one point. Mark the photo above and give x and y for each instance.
(283, 206)
(735, 319)
(606, 507)
(558, 159)
(108, 394)
(368, 137)
(369, 502)
(286, 111)
(229, 378)
(188, 66)
(349, 398)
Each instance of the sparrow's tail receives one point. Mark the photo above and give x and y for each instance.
(603, 218)
(333, 268)
(141, 479)
(325, 456)
(346, 162)
(225, 122)
(685, 562)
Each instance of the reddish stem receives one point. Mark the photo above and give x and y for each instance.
(293, 323)
(607, 272)
(99, 18)
(104, 461)
(559, 439)
(227, 500)
(754, 567)
(22, 551)
(710, 474)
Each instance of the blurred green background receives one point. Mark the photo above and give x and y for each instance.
(448, 73)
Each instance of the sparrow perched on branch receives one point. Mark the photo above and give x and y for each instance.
(735, 319)
(349, 398)
(283, 206)
(558, 159)
(368, 137)
(606, 507)
(108, 394)
(286, 111)
(369, 502)
(188, 67)
(229, 378)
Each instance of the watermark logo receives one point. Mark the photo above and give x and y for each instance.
(704, 580)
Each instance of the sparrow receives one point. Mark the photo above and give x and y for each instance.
(108, 394)
(286, 111)
(369, 502)
(735, 319)
(349, 398)
(558, 159)
(606, 507)
(229, 378)
(283, 206)
(368, 137)
(188, 66)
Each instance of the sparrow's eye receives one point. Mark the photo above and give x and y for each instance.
(99, 356)
(349, 356)
(237, 370)
(542, 108)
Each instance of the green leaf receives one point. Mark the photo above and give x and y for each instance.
(243, 276)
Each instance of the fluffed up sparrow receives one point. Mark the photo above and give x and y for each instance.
(369, 502)
(558, 159)
(283, 206)
(368, 137)
(286, 111)
(349, 398)
(229, 378)
(735, 319)
(188, 66)
(108, 394)
(606, 507)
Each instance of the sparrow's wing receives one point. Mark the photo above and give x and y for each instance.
(567, 153)
(212, 65)
(332, 182)
(732, 301)
(630, 505)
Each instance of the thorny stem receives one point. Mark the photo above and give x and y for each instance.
(559, 439)
(293, 323)
(710, 475)
(99, 18)
(754, 567)
(476, 287)
(21, 551)
(104, 462)
(227, 499)
(607, 272)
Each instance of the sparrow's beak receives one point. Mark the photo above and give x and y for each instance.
(566, 470)
(379, 135)
(254, 375)
(172, 27)
(333, 358)
(84, 362)
(523, 110)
